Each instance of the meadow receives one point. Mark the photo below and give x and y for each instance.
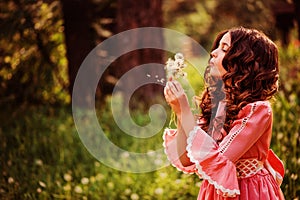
(42, 156)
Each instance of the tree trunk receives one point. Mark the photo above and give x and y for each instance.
(136, 14)
(79, 42)
(297, 15)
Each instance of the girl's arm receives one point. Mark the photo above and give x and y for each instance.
(177, 99)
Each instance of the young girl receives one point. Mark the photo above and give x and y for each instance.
(227, 145)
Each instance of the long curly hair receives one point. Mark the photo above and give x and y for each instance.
(252, 75)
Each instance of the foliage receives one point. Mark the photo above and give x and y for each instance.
(43, 158)
(286, 137)
(41, 154)
(33, 62)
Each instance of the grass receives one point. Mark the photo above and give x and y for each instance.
(42, 156)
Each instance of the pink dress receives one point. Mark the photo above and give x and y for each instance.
(241, 166)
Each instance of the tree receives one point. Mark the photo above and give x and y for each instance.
(32, 53)
(136, 14)
(78, 35)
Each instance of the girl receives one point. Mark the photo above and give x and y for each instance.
(227, 145)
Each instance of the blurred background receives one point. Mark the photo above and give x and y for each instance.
(44, 42)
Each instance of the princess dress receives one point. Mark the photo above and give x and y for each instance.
(241, 166)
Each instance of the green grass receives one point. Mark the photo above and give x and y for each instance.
(42, 156)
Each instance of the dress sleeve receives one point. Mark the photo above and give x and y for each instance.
(170, 145)
(214, 162)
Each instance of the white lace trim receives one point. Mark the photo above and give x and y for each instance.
(244, 122)
(226, 192)
(179, 168)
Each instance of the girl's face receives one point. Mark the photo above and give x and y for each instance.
(217, 55)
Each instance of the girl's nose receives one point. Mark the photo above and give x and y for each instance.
(214, 53)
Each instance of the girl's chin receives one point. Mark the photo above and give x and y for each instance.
(215, 73)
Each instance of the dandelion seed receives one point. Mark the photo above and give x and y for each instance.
(179, 56)
(148, 75)
(156, 76)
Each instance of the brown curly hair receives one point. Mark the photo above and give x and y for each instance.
(252, 75)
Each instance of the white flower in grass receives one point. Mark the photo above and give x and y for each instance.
(158, 162)
(99, 177)
(198, 184)
(163, 175)
(110, 185)
(92, 179)
(134, 196)
(39, 162)
(10, 180)
(67, 177)
(127, 191)
(97, 164)
(85, 180)
(151, 153)
(78, 189)
(125, 154)
(159, 191)
(178, 181)
(42, 184)
(67, 187)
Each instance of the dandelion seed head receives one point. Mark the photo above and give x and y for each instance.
(174, 68)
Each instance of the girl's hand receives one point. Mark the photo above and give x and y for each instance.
(176, 97)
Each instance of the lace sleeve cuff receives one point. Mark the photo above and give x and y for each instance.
(211, 164)
(170, 145)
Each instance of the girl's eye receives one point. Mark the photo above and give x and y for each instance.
(224, 50)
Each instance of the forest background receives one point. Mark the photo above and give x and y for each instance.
(42, 46)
